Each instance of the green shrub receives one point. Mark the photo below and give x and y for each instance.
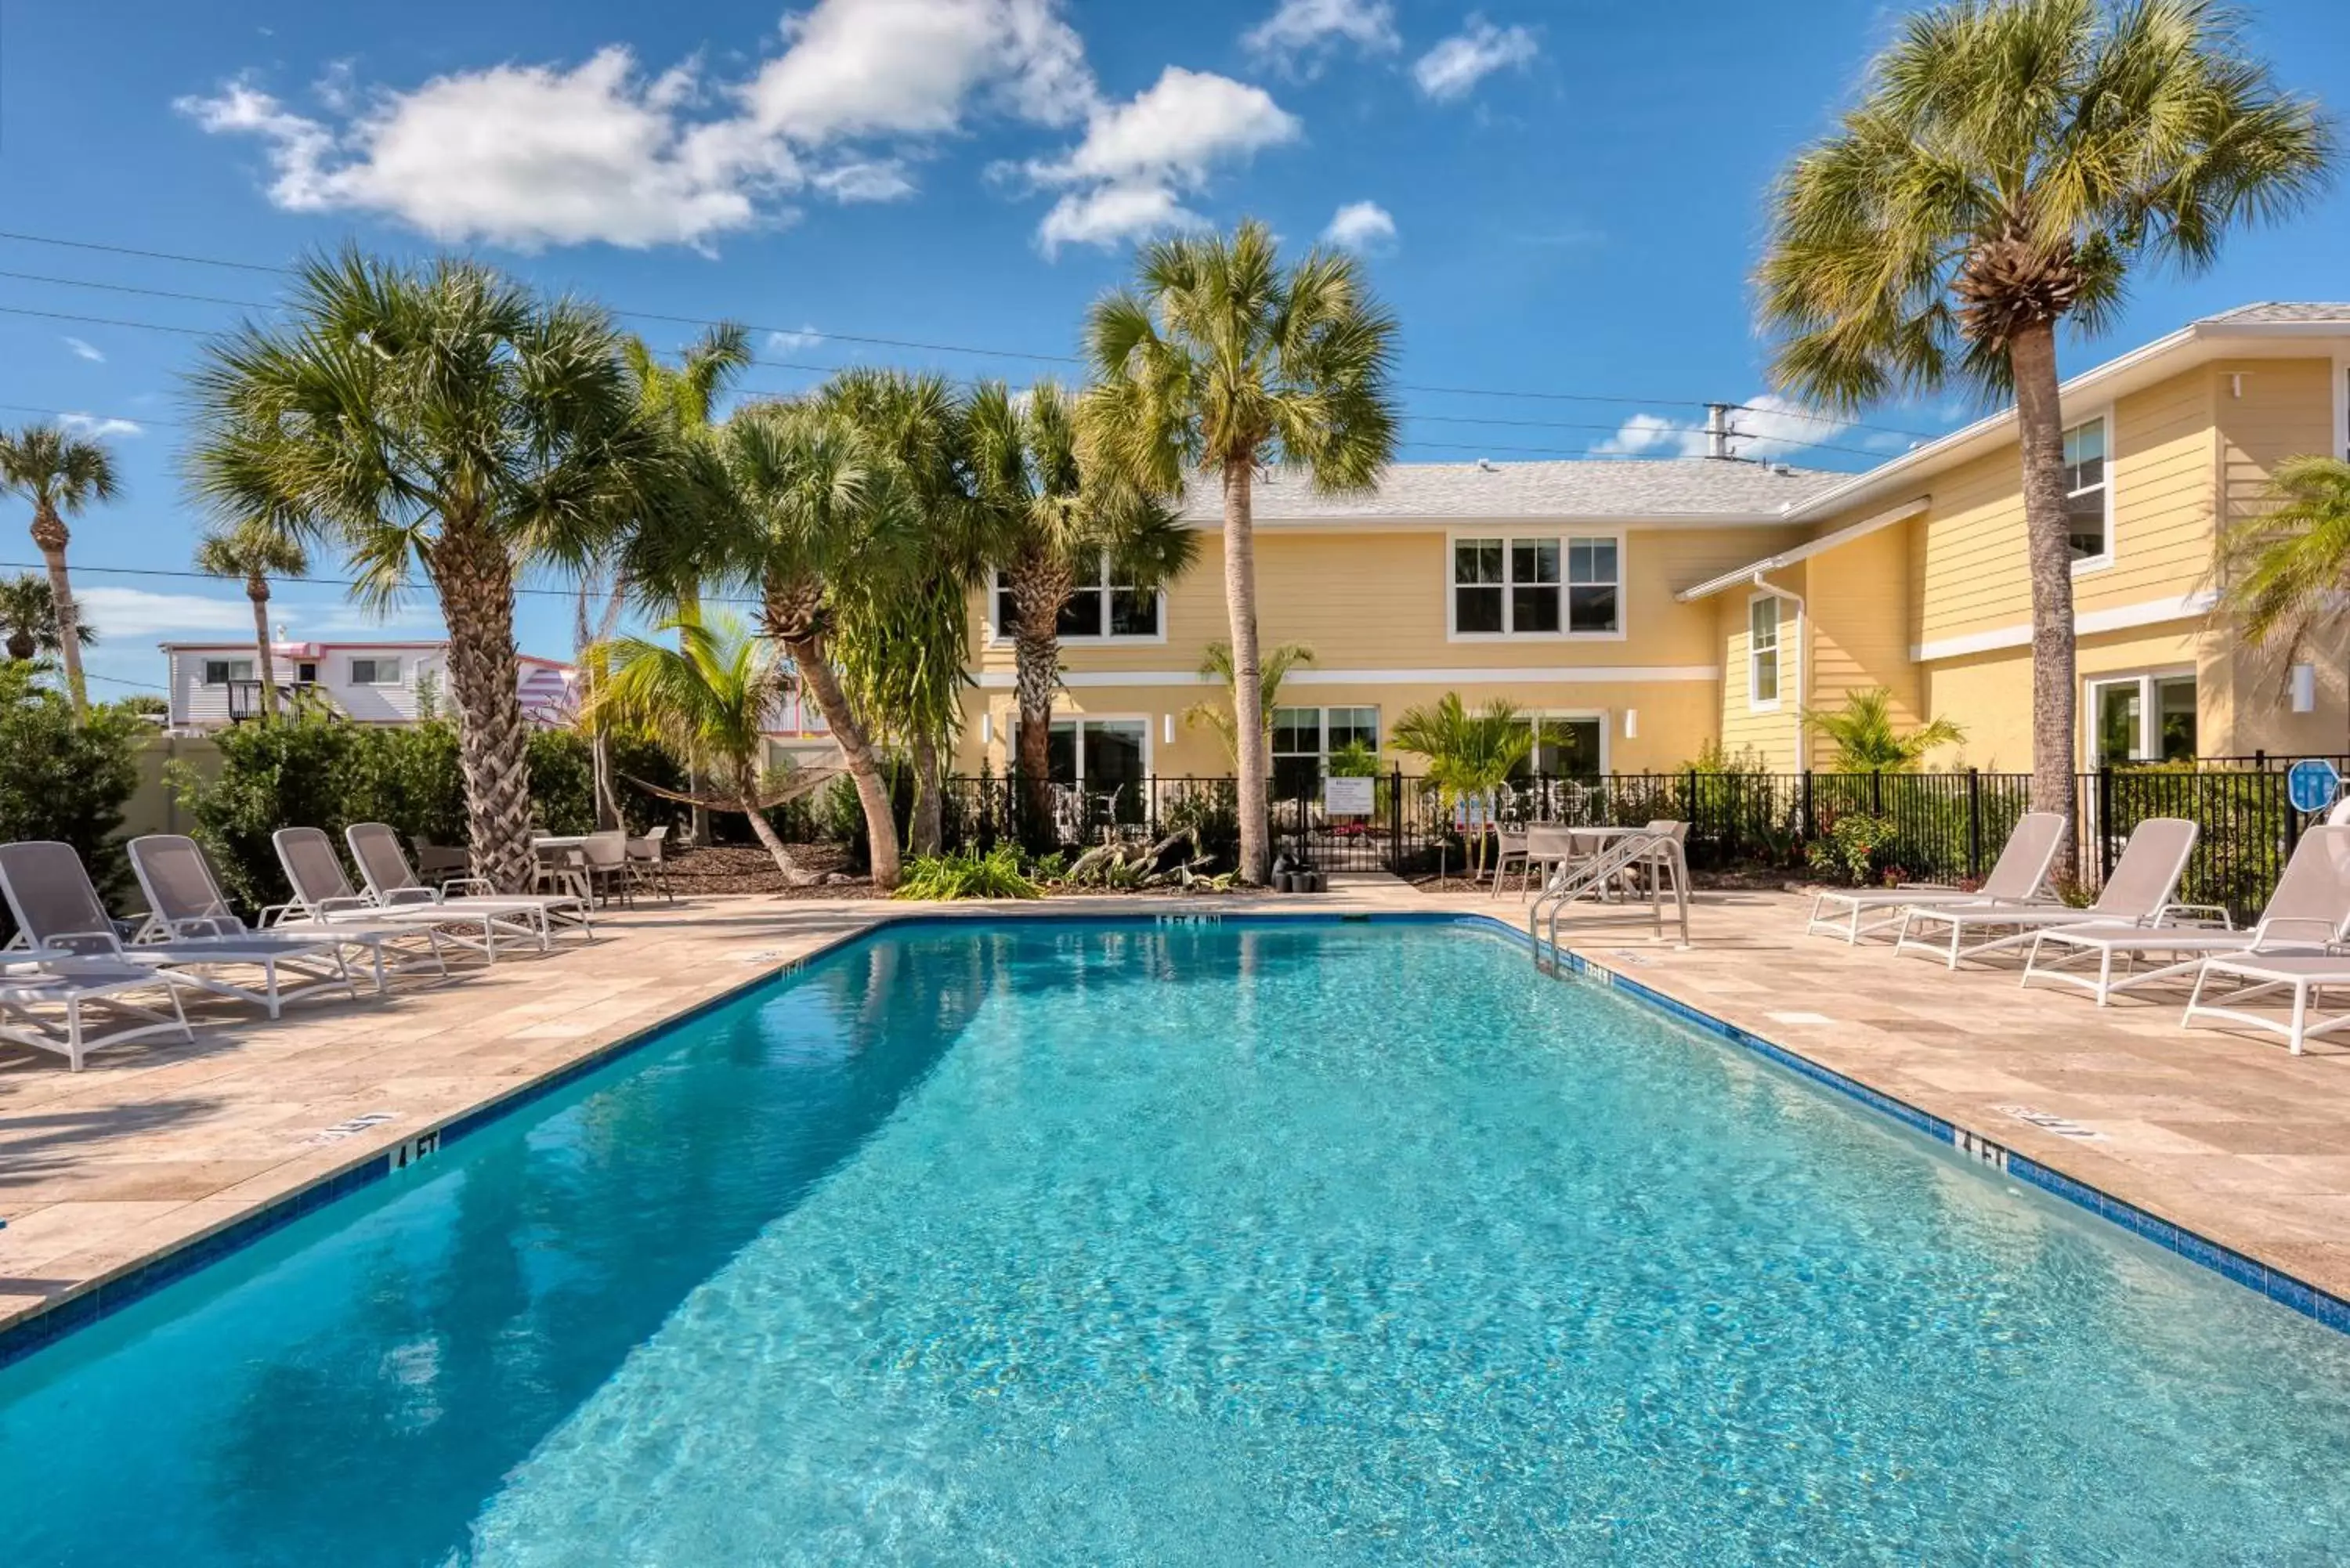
(969, 875)
(1857, 849)
(63, 781)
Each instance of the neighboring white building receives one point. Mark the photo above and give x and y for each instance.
(215, 683)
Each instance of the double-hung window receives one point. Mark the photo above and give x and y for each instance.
(221, 671)
(1099, 610)
(1763, 651)
(2088, 492)
(375, 671)
(1541, 585)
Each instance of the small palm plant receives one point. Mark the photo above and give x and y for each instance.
(708, 697)
(1866, 739)
(1225, 716)
(61, 476)
(255, 552)
(2288, 567)
(29, 620)
(1469, 753)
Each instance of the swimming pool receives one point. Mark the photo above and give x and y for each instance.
(1097, 1243)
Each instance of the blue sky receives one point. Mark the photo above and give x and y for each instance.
(1555, 198)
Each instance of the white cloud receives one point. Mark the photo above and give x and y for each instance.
(533, 155)
(101, 426)
(792, 342)
(1361, 226)
(1457, 65)
(1300, 33)
(118, 613)
(84, 350)
(1767, 427)
(1138, 158)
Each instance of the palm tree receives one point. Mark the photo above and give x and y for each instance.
(1058, 523)
(2008, 163)
(707, 697)
(60, 475)
(1868, 741)
(256, 552)
(29, 620)
(1220, 360)
(1216, 665)
(441, 420)
(817, 511)
(2288, 567)
(1470, 755)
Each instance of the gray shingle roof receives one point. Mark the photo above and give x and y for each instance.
(1597, 487)
(2286, 310)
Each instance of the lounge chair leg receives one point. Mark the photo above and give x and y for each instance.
(73, 1033)
(2105, 977)
(2299, 1017)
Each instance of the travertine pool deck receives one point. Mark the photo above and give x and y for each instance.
(155, 1144)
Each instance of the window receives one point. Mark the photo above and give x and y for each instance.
(1564, 748)
(375, 672)
(1094, 604)
(1102, 757)
(2086, 491)
(2143, 719)
(1535, 588)
(1304, 739)
(221, 671)
(1763, 651)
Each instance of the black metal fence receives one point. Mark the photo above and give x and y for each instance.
(1944, 826)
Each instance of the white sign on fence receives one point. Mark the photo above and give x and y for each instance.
(1347, 797)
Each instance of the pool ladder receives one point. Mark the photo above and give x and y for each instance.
(1654, 861)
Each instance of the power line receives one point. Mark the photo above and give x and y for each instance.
(863, 339)
(187, 573)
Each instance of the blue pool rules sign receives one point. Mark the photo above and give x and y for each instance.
(2312, 783)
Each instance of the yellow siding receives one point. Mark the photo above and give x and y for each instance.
(1859, 626)
(1991, 693)
(1773, 733)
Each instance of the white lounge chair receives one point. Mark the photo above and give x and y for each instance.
(69, 986)
(323, 893)
(62, 917)
(391, 882)
(2018, 878)
(2137, 893)
(185, 901)
(2308, 913)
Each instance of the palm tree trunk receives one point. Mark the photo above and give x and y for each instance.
(689, 607)
(1039, 589)
(49, 538)
(926, 834)
(809, 654)
(746, 787)
(474, 580)
(256, 588)
(2040, 425)
(1248, 697)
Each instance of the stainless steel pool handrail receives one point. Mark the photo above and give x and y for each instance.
(1657, 854)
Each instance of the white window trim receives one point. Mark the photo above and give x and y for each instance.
(1507, 532)
(2147, 748)
(399, 663)
(1070, 716)
(1599, 715)
(204, 669)
(999, 638)
(1778, 651)
(2100, 562)
(1322, 729)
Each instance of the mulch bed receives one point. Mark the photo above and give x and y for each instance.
(747, 868)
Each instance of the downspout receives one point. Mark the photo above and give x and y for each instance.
(1802, 655)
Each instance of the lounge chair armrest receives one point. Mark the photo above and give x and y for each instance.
(204, 925)
(459, 885)
(2199, 915)
(342, 901)
(409, 896)
(78, 944)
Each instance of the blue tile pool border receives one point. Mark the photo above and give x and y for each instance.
(49, 1325)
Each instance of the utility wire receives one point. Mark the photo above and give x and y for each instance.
(865, 339)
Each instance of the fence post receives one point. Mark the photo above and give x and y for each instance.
(2291, 816)
(1689, 811)
(1811, 812)
(1876, 793)
(2103, 823)
(1974, 824)
(1395, 821)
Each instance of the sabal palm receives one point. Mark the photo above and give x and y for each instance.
(1216, 664)
(1222, 360)
(2009, 163)
(61, 476)
(814, 508)
(255, 552)
(29, 620)
(448, 420)
(709, 697)
(1866, 739)
(2288, 567)
(1471, 754)
(1058, 522)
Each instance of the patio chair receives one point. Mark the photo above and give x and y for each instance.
(70, 985)
(54, 902)
(1510, 844)
(647, 861)
(391, 882)
(2019, 878)
(606, 857)
(2309, 913)
(2137, 893)
(185, 901)
(324, 894)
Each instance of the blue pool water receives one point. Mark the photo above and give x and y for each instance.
(1101, 1243)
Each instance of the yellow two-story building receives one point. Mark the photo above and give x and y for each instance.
(1645, 608)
